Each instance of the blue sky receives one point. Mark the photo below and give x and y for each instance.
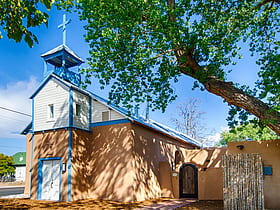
(21, 72)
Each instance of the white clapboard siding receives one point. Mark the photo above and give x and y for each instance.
(81, 121)
(54, 93)
(98, 108)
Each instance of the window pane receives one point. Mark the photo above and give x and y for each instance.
(78, 110)
(51, 111)
(105, 116)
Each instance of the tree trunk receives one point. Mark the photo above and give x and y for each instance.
(237, 97)
(227, 91)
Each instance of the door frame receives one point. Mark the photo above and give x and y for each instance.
(40, 175)
(181, 181)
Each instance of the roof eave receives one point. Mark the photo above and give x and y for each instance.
(59, 49)
(165, 134)
(26, 129)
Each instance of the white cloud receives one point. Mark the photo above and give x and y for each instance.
(15, 96)
(214, 139)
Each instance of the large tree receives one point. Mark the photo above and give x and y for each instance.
(141, 46)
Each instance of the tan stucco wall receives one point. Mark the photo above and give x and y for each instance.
(28, 162)
(48, 144)
(153, 155)
(165, 180)
(123, 162)
(205, 158)
(102, 163)
(210, 176)
(270, 153)
(210, 184)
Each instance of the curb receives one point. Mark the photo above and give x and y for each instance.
(11, 186)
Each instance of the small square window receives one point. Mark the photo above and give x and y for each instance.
(105, 116)
(50, 111)
(78, 110)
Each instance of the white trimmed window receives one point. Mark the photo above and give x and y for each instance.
(106, 116)
(78, 110)
(51, 112)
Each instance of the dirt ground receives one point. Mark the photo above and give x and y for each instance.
(204, 205)
(98, 204)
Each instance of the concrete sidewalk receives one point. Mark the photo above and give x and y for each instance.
(16, 196)
(167, 205)
(11, 184)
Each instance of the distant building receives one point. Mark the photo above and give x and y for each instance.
(20, 165)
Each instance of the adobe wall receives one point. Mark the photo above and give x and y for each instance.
(153, 155)
(102, 163)
(270, 153)
(28, 162)
(49, 144)
(122, 162)
(210, 175)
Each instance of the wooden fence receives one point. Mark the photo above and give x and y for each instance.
(243, 182)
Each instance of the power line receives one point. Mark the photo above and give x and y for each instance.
(15, 111)
(5, 117)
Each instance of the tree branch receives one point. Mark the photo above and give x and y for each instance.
(171, 5)
(266, 2)
(238, 97)
(229, 92)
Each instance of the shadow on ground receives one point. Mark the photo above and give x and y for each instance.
(203, 205)
(99, 204)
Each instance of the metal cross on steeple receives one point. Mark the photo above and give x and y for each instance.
(63, 26)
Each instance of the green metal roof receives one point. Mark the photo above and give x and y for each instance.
(19, 158)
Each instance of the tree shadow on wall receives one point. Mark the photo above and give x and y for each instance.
(102, 163)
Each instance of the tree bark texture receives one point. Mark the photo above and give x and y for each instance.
(237, 97)
(229, 92)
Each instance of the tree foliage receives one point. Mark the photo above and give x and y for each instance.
(141, 47)
(247, 132)
(18, 17)
(6, 163)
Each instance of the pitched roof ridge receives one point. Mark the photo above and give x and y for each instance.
(61, 47)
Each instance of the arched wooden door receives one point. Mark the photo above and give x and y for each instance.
(188, 181)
